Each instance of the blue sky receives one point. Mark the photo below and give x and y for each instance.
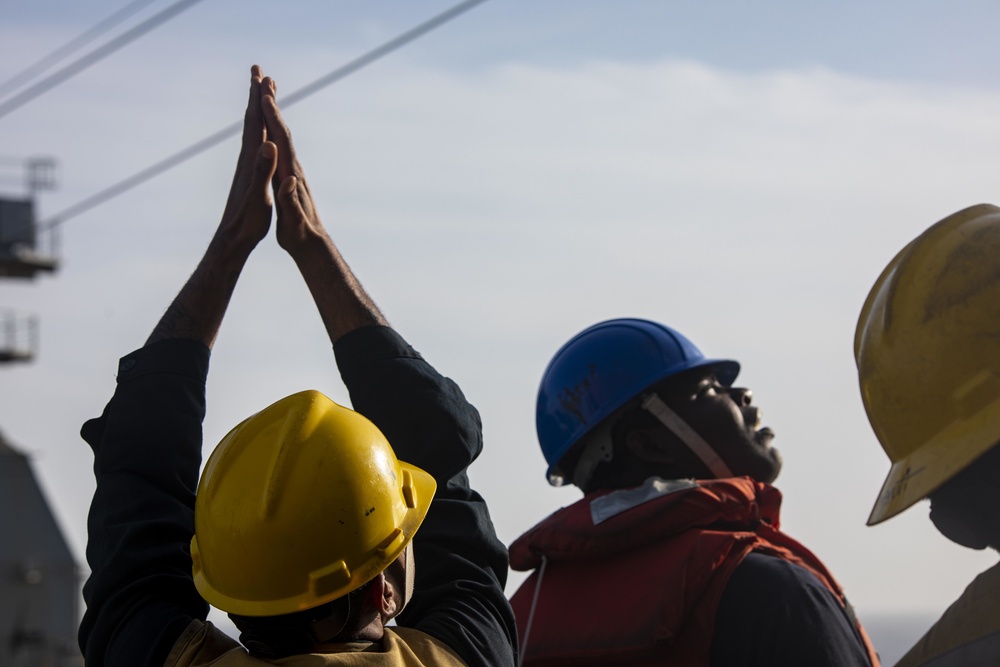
(917, 41)
(739, 172)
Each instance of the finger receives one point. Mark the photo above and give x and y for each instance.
(274, 123)
(253, 135)
(277, 131)
(253, 122)
(288, 198)
(264, 171)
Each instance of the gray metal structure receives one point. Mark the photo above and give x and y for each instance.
(21, 257)
(19, 241)
(39, 581)
(18, 337)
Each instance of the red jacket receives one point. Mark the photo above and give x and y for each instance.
(642, 585)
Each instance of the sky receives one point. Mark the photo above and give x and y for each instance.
(741, 172)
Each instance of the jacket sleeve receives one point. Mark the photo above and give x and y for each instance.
(461, 566)
(147, 451)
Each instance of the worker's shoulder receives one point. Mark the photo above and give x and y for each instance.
(761, 576)
(419, 648)
(781, 614)
(202, 643)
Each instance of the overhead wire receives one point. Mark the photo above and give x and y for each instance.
(234, 129)
(73, 45)
(20, 99)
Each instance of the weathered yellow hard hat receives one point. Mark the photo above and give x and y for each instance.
(300, 504)
(928, 353)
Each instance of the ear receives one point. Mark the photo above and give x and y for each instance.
(384, 597)
(643, 446)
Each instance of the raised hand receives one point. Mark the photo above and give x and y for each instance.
(340, 299)
(247, 216)
(298, 221)
(198, 309)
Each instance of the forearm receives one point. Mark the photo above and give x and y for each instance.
(342, 302)
(197, 310)
(340, 299)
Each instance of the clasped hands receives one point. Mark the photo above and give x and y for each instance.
(268, 162)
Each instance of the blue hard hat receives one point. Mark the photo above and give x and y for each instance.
(600, 370)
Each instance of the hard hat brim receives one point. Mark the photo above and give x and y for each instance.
(940, 458)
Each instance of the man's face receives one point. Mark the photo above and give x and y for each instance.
(400, 573)
(950, 515)
(727, 420)
(964, 509)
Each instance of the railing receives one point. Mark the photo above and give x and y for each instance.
(18, 337)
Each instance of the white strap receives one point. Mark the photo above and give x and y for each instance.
(612, 504)
(531, 613)
(656, 407)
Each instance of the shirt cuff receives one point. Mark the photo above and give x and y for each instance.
(176, 356)
(365, 345)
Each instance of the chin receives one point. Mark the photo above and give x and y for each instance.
(958, 531)
(775, 468)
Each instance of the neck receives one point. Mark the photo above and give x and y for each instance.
(373, 632)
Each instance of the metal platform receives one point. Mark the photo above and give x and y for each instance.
(20, 256)
(18, 337)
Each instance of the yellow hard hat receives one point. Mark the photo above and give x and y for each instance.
(300, 504)
(928, 353)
